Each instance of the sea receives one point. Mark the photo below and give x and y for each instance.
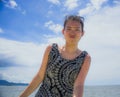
(89, 91)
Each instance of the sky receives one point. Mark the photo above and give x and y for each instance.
(28, 26)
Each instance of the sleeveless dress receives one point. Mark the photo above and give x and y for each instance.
(60, 74)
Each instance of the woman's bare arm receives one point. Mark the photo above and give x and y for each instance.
(79, 83)
(39, 76)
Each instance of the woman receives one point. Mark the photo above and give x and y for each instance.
(63, 70)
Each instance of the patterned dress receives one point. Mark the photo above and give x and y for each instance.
(60, 74)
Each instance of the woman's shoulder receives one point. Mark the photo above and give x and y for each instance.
(88, 57)
(48, 47)
(86, 54)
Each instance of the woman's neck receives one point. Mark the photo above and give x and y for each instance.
(70, 48)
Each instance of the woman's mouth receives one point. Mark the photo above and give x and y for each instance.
(72, 36)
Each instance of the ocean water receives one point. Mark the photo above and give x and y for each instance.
(89, 91)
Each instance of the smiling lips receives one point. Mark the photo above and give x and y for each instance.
(72, 36)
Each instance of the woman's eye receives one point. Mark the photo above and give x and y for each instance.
(68, 29)
(73, 29)
(77, 29)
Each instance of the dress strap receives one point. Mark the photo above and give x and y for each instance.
(54, 45)
(85, 53)
(53, 53)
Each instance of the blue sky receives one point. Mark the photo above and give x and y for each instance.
(28, 26)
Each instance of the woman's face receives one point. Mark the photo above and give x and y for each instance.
(72, 31)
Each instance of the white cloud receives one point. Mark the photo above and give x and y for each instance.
(13, 5)
(92, 7)
(59, 40)
(54, 1)
(117, 2)
(1, 30)
(28, 54)
(71, 4)
(10, 3)
(50, 12)
(97, 3)
(89, 9)
(24, 74)
(54, 27)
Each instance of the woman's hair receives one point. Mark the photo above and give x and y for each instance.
(74, 18)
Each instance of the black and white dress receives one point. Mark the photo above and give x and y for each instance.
(60, 74)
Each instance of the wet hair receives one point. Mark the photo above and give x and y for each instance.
(74, 18)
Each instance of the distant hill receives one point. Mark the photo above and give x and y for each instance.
(6, 83)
